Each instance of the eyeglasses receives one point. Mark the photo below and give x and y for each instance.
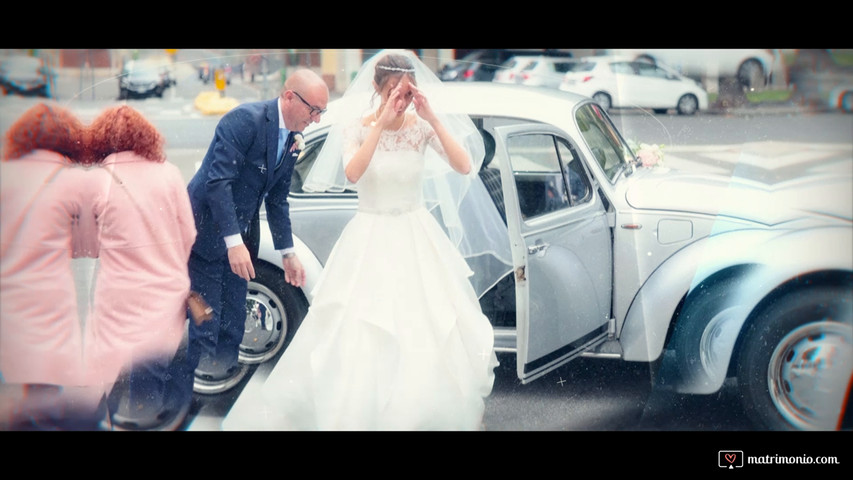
(314, 110)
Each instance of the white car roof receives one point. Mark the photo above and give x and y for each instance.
(488, 98)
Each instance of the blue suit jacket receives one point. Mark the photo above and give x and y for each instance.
(237, 174)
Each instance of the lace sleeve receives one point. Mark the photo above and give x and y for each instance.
(432, 139)
(353, 136)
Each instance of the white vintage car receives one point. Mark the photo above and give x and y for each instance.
(707, 277)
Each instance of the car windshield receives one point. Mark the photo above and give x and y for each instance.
(611, 151)
(142, 69)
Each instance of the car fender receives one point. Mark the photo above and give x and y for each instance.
(779, 255)
(312, 265)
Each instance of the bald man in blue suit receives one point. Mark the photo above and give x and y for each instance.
(249, 162)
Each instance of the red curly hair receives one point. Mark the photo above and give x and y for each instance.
(120, 129)
(46, 127)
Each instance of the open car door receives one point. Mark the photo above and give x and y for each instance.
(561, 247)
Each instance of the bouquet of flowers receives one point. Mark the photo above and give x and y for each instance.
(648, 154)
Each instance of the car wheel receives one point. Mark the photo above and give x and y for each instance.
(751, 74)
(846, 102)
(688, 105)
(274, 309)
(603, 99)
(708, 315)
(122, 94)
(796, 361)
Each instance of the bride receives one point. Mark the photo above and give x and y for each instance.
(395, 338)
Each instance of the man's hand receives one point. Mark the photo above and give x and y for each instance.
(294, 272)
(241, 262)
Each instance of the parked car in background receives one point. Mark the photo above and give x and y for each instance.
(26, 76)
(708, 277)
(482, 65)
(753, 67)
(144, 78)
(544, 71)
(616, 82)
(477, 66)
(508, 70)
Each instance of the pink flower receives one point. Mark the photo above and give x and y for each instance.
(650, 155)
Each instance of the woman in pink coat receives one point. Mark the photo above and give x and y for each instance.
(42, 205)
(146, 230)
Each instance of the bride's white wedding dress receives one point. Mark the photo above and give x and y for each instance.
(395, 338)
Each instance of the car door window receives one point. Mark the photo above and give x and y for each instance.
(538, 176)
(563, 67)
(649, 70)
(623, 68)
(576, 178)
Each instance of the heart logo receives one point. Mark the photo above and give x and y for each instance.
(730, 457)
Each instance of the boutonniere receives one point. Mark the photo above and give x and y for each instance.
(298, 142)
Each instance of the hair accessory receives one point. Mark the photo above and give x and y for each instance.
(396, 69)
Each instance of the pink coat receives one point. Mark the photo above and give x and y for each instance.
(42, 204)
(146, 231)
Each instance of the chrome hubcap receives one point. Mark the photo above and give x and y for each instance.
(806, 370)
(266, 325)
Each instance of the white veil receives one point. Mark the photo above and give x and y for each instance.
(460, 203)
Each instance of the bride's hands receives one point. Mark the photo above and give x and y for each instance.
(422, 105)
(395, 107)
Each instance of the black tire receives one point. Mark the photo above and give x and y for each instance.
(847, 102)
(122, 94)
(688, 105)
(796, 361)
(603, 100)
(703, 318)
(274, 310)
(751, 74)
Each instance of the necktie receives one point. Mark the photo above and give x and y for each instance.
(288, 140)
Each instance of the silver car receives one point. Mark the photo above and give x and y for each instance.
(708, 278)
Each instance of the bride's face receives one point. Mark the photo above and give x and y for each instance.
(404, 83)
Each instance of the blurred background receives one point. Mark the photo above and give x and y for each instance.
(730, 77)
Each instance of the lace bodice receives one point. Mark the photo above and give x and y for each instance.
(393, 182)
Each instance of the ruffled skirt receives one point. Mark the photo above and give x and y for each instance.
(395, 339)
